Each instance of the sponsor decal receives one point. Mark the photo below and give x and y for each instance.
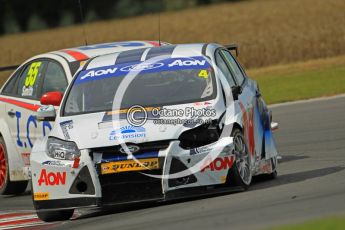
(54, 163)
(131, 149)
(96, 73)
(41, 196)
(201, 150)
(128, 132)
(30, 122)
(52, 178)
(220, 163)
(45, 108)
(27, 91)
(129, 165)
(60, 154)
(65, 127)
(30, 79)
(189, 62)
(26, 159)
(142, 66)
(202, 103)
(170, 64)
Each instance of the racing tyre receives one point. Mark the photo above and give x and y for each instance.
(50, 216)
(8, 187)
(240, 173)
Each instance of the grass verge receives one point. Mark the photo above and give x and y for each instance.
(305, 80)
(331, 223)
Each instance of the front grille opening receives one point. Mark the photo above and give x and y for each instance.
(130, 187)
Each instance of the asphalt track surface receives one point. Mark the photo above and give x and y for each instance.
(311, 183)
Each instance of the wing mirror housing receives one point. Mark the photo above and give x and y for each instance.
(47, 111)
(236, 91)
(52, 98)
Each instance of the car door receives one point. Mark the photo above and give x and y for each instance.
(248, 104)
(22, 102)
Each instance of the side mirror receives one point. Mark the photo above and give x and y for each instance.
(236, 91)
(46, 113)
(51, 98)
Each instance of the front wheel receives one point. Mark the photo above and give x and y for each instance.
(8, 187)
(240, 173)
(60, 215)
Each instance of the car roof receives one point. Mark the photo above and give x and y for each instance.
(140, 55)
(86, 52)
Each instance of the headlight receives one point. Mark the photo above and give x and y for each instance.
(62, 150)
(200, 136)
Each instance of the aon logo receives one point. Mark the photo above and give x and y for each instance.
(218, 164)
(51, 179)
(190, 62)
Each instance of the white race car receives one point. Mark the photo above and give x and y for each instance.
(22, 95)
(152, 125)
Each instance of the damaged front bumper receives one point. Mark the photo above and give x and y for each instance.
(106, 177)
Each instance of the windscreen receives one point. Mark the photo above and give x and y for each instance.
(168, 82)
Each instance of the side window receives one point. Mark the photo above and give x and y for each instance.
(55, 79)
(225, 70)
(28, 84)
(234, 67)
(11, 84)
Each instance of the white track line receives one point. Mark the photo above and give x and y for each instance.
(306, 101)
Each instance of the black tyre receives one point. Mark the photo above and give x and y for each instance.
(60, 215)
(8, 187)
(240, 173)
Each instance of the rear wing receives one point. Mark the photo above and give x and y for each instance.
(233, 47)
(7, 68)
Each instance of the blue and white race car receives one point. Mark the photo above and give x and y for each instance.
(23, 94)
(151, 125)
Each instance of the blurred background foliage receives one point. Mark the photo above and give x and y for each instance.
(29, 15)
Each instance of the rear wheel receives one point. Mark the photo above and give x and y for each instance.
(60, 215)
(8, 187)
(240, 173)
